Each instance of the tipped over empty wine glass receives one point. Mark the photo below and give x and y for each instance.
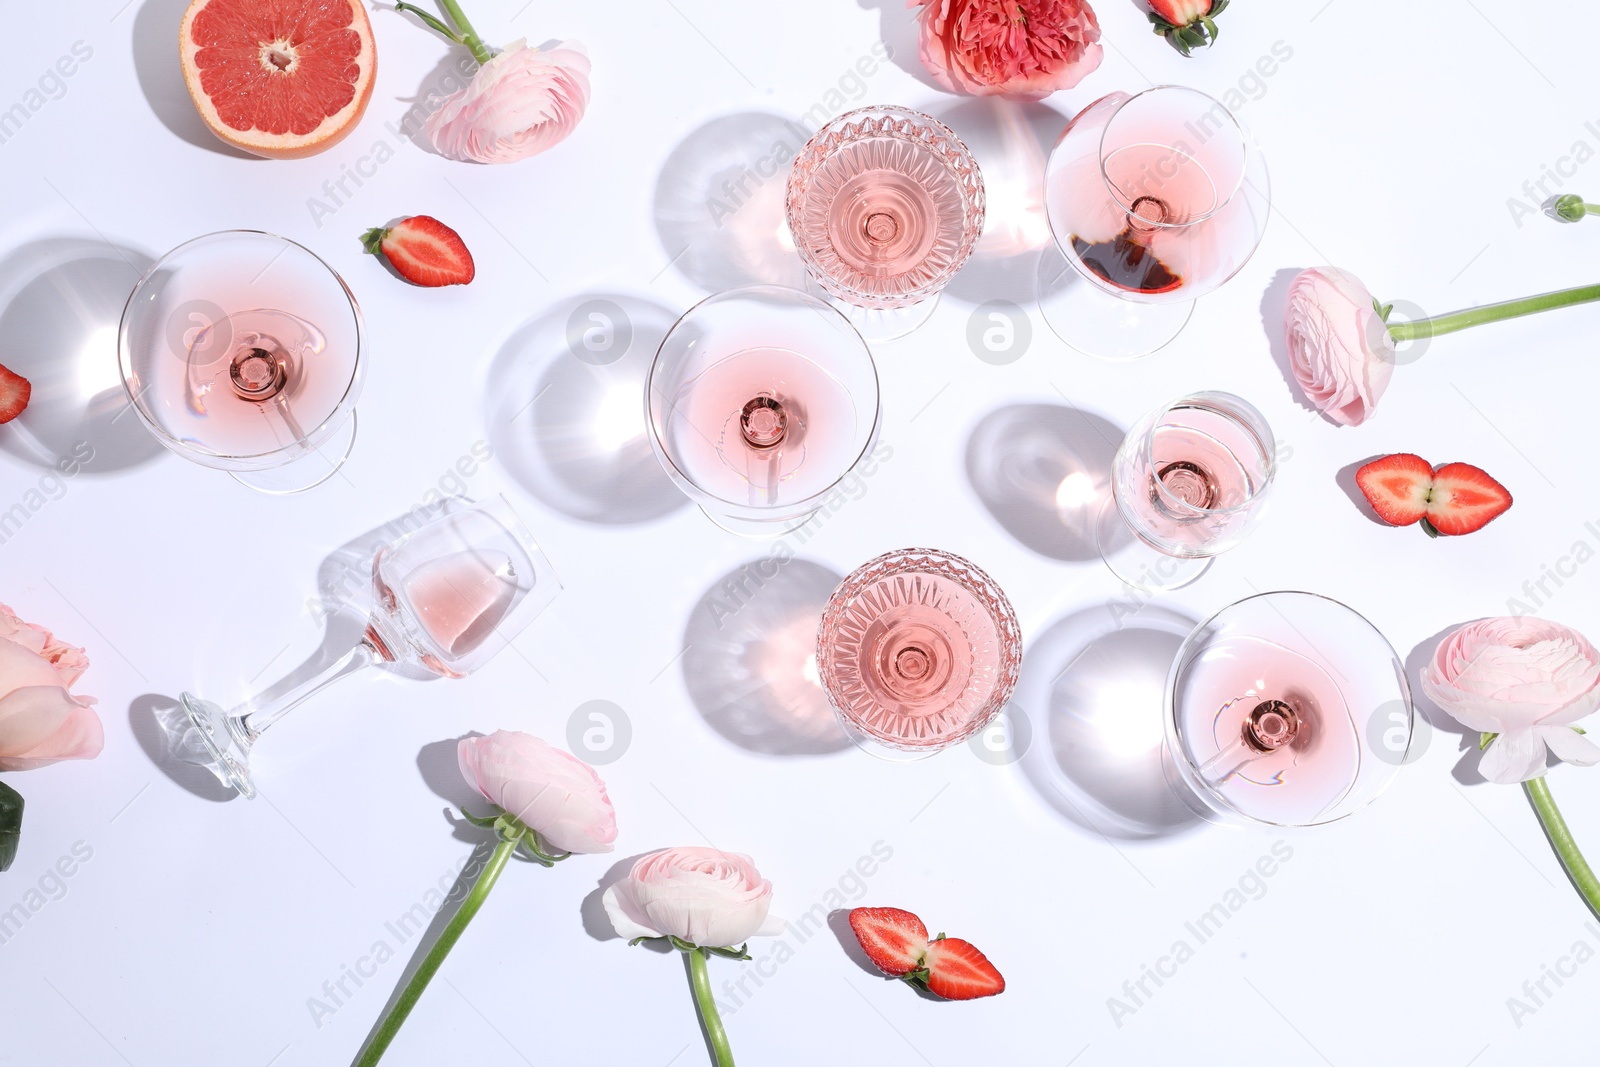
(1154, 199)
(241, 351)
(1286, 708)
(1190, 481)
(885, 204)
(445, 597)
(918, 650)
(759, 402)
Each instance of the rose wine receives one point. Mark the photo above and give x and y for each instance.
(454, 602)
(1268, 728)
(249, 383)
(763, 427)
(1181, 486)
(885, 206)
(918, 650)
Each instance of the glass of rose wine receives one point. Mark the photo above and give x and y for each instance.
(1189, 482)
(445, 597)
(917, 650)
(884, 204)
(1286, 708)
(241, 351)
(1154, 200)
(759, 402)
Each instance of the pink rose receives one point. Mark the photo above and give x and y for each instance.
(557, 796)
(699, 895)
(40, 721)
(518, 104)
(1023, 48)
(1339, 347)
(1522, 678)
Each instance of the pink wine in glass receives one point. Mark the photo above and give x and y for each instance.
(456, 601)
(918, 650)
(885, 205)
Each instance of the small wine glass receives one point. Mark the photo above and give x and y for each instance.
(918, 650)
(885, 205)
(760, 401)
(1189, 482)
(439, 594)
(242, 351)
(1154, 199)
(1286, 708)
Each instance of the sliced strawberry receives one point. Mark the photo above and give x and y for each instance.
(1397, 487)
(1186, 24)
(1465, 499)
(423, 250)
(15, 391)
(958, 971)
(1181, 12)
(893, 939)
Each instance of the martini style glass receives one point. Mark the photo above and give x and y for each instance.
(242, 351)
(918, 650)
(760, 401)
(885, 204)
(1154, 200)
(1286, 708)
(1189, 482)
(445, 597)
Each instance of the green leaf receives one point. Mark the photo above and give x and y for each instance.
(1192, 37)
(372, 240)
(1211, 28)
(10, 825)
(1484, 739)
(1218, 8)
(1429, 528)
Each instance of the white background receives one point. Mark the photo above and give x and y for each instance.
(199, 929)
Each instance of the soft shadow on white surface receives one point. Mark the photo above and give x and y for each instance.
(155, 59)
(60, 303)
(750, 665)
(566, 409)
(1043, 471)
(719, 202)
(1094, 686)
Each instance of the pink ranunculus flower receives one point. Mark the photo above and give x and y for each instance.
(41, 721)
(1022, 48)
(556, 795)
(1525, 679)
(1340, 350)
(518, 104)
(700, 895)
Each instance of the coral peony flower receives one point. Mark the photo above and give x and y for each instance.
(518, 104)
(556, 795)
(1526, 680)
(699, 895)
(41, 722)
(1340, 351)
(1022, 48)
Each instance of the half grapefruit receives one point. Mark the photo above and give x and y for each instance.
(278, 78)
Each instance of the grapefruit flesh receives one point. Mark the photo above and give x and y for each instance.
(278, 78)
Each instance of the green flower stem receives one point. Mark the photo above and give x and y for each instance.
(700, 979)
(430, 964)
(433, 23)
(1510, 309)
(469, 36)
(1555, 828)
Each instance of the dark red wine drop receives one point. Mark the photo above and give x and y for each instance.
(1127, 264)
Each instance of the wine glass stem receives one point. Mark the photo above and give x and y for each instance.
(1228, 762)
(262, 715)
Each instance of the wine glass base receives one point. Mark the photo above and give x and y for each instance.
(307, 472)
(757, 530)
(1098, 324)
(226, 748)
(878, 324)
(1138, 563)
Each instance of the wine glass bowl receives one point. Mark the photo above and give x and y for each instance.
(1153, 199)
(1286, 708)
(242, 351)
(759, 402)
(885, 204)
(1189, 482)
(918, 650)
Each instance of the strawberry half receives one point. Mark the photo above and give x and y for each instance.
(423, 251)
(1186, 24)
(894, 940)
(1455, 499)
(958, 971)
(15, 392)
(897, 943)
